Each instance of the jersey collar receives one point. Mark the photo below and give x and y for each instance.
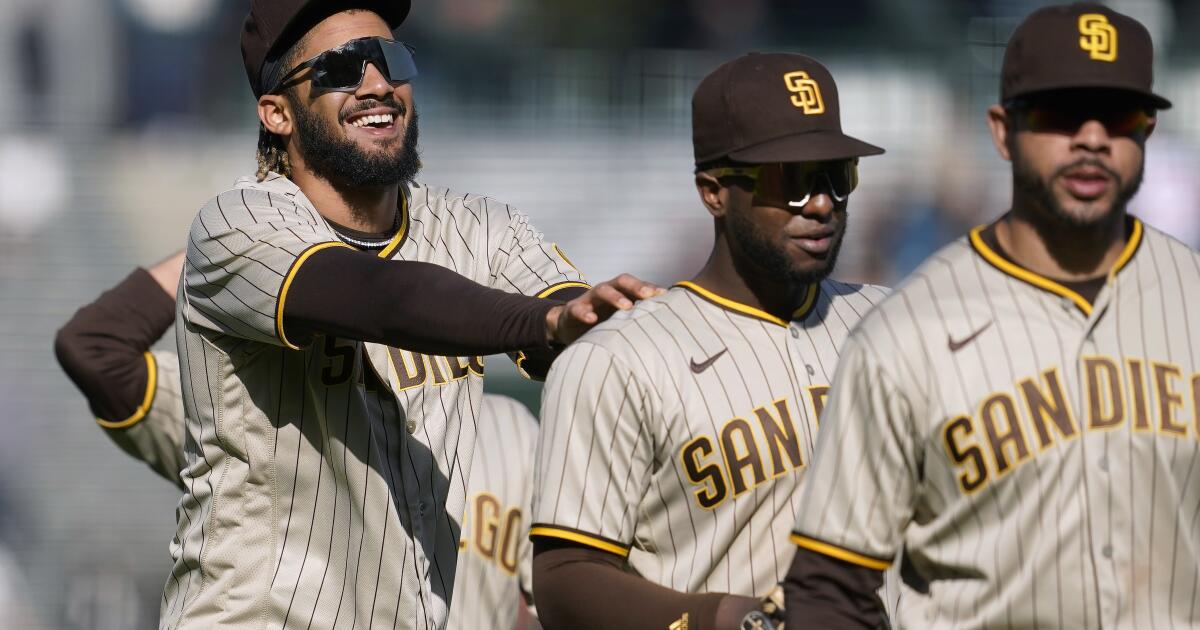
(278, 183)
(810, 300)
(394, 244)
(1044, 283)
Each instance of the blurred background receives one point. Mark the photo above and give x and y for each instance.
(119, 118)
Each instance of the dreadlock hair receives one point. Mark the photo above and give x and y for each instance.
(272, 155)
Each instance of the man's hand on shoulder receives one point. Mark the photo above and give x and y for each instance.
(568, 322)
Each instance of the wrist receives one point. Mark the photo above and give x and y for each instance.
(732, 609)
(552, 319)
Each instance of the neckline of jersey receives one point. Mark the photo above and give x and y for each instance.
(391, 247)
(806, 307)
(1044, 283)
(396, 240)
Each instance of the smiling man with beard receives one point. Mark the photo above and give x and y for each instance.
(1019, 419)
(674, 435)
(330, 324)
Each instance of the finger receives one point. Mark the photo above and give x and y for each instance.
(582, 311)
(606, 293)
(633, 286)
(636, 287)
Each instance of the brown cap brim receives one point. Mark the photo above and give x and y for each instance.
(811, 146)
(1153, 99)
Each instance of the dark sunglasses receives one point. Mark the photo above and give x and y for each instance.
(342, 69)
(1119, 119)
(792, 184)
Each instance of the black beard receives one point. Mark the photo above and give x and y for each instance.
(1038, 189)
(341, 162)
(770, 258)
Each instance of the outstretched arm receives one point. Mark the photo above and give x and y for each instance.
(428, 308)
(134, 395)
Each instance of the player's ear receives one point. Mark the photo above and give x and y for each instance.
(710, 194)
(275, 113)
(1001, 127)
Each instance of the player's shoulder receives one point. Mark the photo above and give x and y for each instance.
(509, 416)
(655, 311)
(902, 317)
(250, 201)
(641, 335)
(851, 296)
(1153, 238)
(463, 206)
(506, 407)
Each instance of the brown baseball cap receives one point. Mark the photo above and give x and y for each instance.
(272, 26)
(1082, 45)
(770, 107)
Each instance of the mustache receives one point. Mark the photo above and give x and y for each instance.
(1089, 162)
(363, 106)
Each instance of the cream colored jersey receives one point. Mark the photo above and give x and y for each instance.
(154, 433)
(328, 481)
(1036, 457)
(495, 557)
(675, 434)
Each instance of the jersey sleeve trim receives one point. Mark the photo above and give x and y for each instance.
(834, 551)
(287, 283)
(544, 293)
(147, 399)
(576, 536)
(555, 288)
(567, 260)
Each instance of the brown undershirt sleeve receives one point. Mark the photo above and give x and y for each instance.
(412, 305)
(824, 592)
(582, 588)
(101, 347)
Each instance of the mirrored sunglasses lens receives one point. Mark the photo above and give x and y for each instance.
(339, 70)
(1126, 123)
(836, 178)
(399, 60)
(1051, 119)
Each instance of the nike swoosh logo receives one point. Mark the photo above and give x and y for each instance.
(697, 368)
(957, 344)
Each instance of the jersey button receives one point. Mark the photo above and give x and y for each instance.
(411, 425)
(795, 333)
(1107, 551)
(1103, 464)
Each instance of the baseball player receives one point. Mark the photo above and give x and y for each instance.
(329, 335)
(1020, 416)
(493, 586)
(105, 343)
(133, 392)
(674, 435)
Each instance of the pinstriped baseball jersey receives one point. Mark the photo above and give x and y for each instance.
(317, 496)
(154, 433)
(1037, 456)
(495, 557)
(675, 434)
